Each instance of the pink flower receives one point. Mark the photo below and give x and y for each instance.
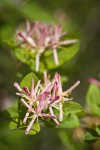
(40, 37)
(46, 97)
(93, 81)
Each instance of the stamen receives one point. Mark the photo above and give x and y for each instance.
(61, 112)
(55, 56)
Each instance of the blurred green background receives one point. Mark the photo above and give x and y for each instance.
(82, 20)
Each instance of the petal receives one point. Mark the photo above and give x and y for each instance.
(36, 87)
(55, 99)
(63, 34)
(71, 88)
(16, 85)
(54, 90)
(32, 89)
(94, 81)
(52, 113)
(47, 88)
(26, 90)
(67, 42)
(61, 112)
(28, 26)
(27, 113)
(42, 104)
(27, 105)
(27, 39)
(30, 125)
(55, 56)
(47, 115)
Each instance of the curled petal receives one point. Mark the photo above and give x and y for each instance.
(26, 90)
(27, 39)
(55, 99)
(54, 91)
(52, 113)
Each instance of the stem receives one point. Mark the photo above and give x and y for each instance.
(37, 62)
(55, 56)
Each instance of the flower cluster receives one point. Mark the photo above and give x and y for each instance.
(47, 96)
(40, 37)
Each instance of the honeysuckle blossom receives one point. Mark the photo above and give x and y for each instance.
(94, 81)
(44, 98)
(40, 37)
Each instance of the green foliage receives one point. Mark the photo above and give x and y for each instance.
(91, 136)
(67, 140)
(64, 55)
(26, 82)
(15, 125)
(46, 59)
(93, 99)
(72, 107)
(13, 15)
(69, 121)
(17, 112)
(70, 110)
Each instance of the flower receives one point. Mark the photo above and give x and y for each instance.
(94, 81)
(40, 37)
(44, 98)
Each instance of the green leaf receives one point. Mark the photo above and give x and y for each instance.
(93, 99)
(46, 59)
(35, 129)
(16, 125)
(13, 124)
(10, 43)
(69, 121)
(26, 82)
(98, 130)
(64, 55)
(91, 136)
(72, 107)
